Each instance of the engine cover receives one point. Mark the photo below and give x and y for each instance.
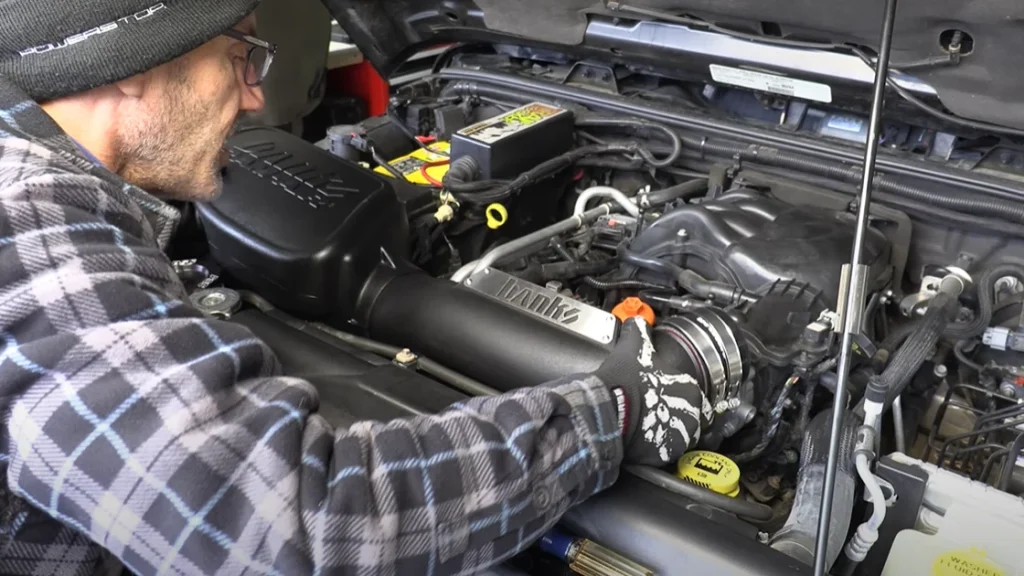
(753, 240)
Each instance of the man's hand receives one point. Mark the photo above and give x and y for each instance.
(664, 411)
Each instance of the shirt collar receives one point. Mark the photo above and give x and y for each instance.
(85, 152)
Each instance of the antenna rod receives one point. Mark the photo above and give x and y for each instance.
(853, 288)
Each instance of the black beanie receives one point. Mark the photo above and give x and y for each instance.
(54, 48)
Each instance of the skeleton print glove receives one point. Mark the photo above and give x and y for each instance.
(662, 411)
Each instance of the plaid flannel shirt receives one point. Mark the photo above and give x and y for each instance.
(138, 431)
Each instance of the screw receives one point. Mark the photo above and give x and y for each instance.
(940, 371)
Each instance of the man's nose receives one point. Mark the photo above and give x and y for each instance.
(252, 98)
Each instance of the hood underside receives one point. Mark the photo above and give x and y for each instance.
(985, 84)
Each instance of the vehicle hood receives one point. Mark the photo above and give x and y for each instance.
(985, 84)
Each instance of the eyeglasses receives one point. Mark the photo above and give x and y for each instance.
(259, 58)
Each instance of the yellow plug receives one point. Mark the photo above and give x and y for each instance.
(497, 215)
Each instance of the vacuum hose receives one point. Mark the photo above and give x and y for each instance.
(796, 538)
(986, 296)
(724, 294)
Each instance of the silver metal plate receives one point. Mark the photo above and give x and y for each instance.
(549, 305)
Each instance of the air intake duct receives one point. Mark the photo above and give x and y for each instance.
(508, 333)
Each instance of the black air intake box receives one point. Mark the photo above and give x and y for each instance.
(301, 227)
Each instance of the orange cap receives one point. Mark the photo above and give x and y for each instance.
(631, 307)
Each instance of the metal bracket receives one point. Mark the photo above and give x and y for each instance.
(851, 321)
(595, 76)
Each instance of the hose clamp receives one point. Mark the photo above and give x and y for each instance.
(865, 443)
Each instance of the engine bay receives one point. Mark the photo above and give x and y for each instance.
(482, 237)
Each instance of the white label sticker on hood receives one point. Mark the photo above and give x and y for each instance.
(772, 83)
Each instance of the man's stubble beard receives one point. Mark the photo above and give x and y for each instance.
(173, 151)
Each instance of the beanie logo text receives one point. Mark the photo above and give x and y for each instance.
(97, 31)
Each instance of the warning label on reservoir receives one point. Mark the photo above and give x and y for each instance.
(965, 563)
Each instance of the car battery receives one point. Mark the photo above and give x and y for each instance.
(508, 145)
(422, 166)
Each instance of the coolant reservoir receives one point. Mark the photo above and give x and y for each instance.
(965, 528)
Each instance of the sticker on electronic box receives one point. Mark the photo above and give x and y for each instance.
(490, 131)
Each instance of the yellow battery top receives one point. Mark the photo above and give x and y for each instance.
(412, 166)
(710, 470)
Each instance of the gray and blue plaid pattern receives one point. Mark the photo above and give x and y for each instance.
(138, 431)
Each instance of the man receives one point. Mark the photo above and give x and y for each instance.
(136, 429)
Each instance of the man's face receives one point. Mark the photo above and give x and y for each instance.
(171, 140)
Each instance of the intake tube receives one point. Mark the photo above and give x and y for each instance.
(796, 538)
(473, 333)
(500, 339)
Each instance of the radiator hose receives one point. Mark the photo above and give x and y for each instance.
(796, 538)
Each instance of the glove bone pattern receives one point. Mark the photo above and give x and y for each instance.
(664, 410)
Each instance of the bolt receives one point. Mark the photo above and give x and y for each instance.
(1008, 389)
(955, 43)
(469, 282)
(212, 299)
(405, 357)
(940, 371)
(762, 537)
(775, 481)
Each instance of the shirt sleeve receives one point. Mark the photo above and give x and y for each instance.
(170, 439)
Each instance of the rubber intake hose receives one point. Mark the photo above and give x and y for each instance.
(796, 538)
(986, 297)
(908, 359)
(685, 191)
